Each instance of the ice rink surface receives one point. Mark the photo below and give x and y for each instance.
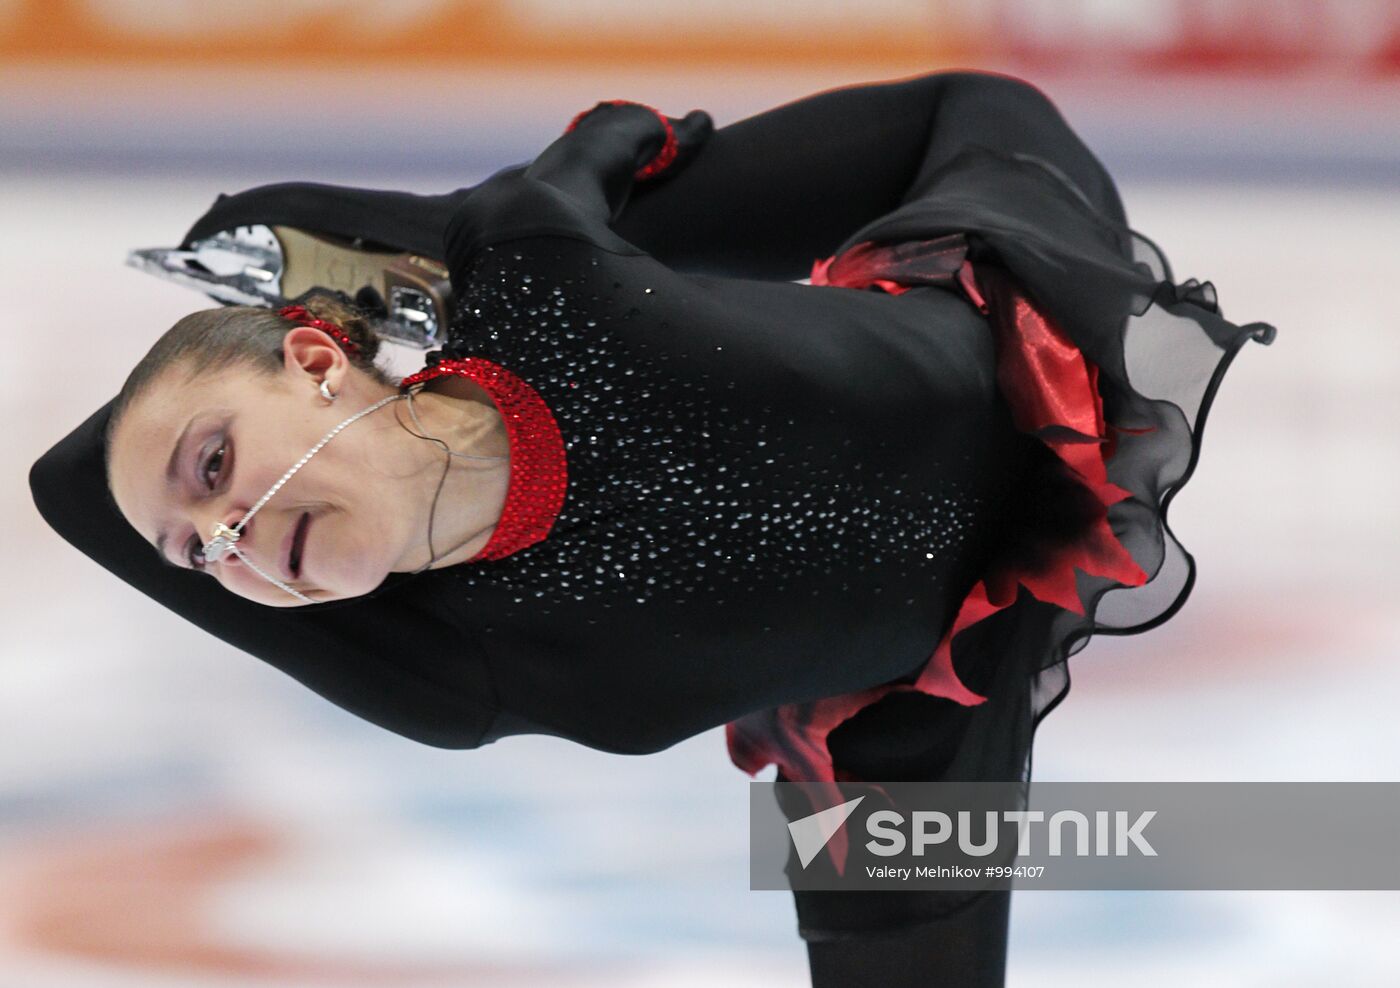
(175, 813)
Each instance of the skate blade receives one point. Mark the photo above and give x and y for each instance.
(407, 297)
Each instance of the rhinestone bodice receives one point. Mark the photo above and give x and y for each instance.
(759, 504)
(678, 485)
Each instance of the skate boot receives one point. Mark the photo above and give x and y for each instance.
(273, 244)
(406, 296)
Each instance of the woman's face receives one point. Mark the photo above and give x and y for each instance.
(190, 453)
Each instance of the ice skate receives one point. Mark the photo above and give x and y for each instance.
(406, 295)
(271, 244)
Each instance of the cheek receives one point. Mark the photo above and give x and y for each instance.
(335, 485)
(347, 520)
(363, 531)
(322, 477)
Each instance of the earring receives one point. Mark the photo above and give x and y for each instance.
(327, 393)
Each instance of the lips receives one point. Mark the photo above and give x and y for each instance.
(296, 544)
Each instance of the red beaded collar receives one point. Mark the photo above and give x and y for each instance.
(538, 474)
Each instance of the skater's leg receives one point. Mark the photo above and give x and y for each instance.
(966, 949)
(898, 938)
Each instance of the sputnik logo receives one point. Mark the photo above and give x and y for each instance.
(810, 834)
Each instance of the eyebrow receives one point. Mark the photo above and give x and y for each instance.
(172, 468)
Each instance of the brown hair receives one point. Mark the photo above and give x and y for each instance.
(239, 335)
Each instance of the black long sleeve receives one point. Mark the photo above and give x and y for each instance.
(769, 194)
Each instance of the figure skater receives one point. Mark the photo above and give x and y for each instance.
(651, 483)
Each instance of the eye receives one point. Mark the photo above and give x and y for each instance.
(215, 461)
(194, 554)
(194, 550)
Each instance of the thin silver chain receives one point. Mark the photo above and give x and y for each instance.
(225, 539)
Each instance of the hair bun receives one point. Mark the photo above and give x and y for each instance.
(349, 317)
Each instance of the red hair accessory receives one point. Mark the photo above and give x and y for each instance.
(298, 313)
(663, 158)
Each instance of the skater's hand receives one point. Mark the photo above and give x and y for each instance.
(607, 150)
(644, 125)
(692, 131)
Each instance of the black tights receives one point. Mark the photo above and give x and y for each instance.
(966, 949)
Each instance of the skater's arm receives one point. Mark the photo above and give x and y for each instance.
(574, 189)
(769, 194)
(595, 162)
(763, 197)
(766, 196)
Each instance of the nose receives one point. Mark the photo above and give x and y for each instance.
(230, 519)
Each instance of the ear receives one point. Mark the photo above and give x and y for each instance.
(312, 352)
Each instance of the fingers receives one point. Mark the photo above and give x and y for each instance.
(692, 131)
(694, 128)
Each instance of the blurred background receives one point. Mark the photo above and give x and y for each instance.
(175, 813)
